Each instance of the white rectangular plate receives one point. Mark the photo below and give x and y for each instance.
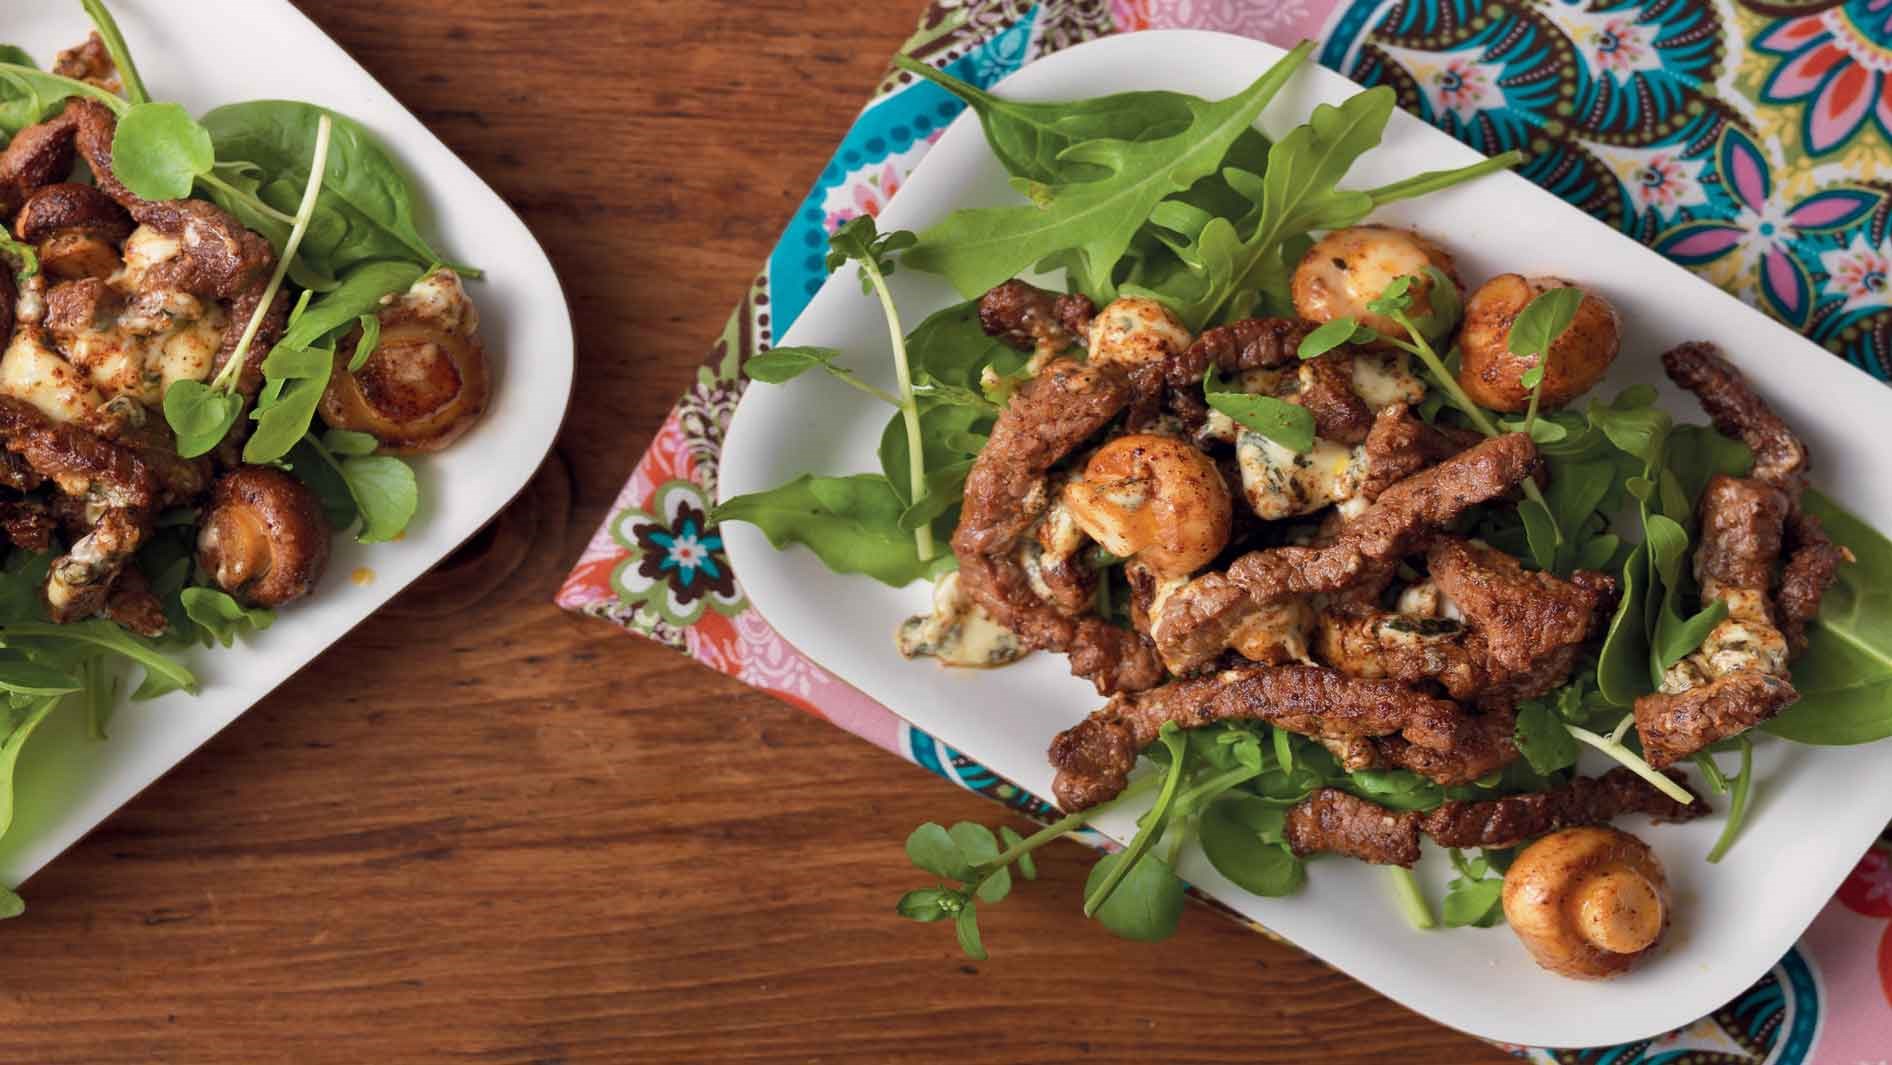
(1817, 810)
(212, 52)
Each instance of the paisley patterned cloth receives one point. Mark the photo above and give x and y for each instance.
(1746, 139)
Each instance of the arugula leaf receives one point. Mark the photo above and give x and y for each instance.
(222, 617)
(1031, 139)
(22, 728)
(780, 365)
(977, 248)
(366, 344)
(105, 635)
(1633, 423)
(1622, 671)
(293, 382)
(1329, 336)
(851, 523)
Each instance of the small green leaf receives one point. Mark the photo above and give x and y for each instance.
(777, 365)
(1472, 903)
(1239, 853)
(1542, 739)
(1540, 323)
(158, 151)
(966, 926)
(1541, 531)
(1287, 424)
(1395, 298)
(851, 523)
(11, 904)
(929, 904)
(22, 676)
(1328, 337)
(933, 849)
(348, 443)
(1026, 867)
(1147, 902)
(386, 493)
(199, 417)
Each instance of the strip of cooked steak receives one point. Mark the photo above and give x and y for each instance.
(1094, 757)
(1029, 318)
(1342, 823)
(1676, 725)
(1047, 418)
(1780, 459)
(1513, 819)
(1813, 562)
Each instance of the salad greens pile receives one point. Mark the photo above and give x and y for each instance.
(1179, 199)
(342, 218)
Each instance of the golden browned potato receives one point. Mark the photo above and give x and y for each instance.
(1589, 903)
(264, 539)
(426, 382)
(1154, 498)
(1349, 268)
(1492, 375)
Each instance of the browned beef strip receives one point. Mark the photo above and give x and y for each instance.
(1532, 624)
(1327, 393)
(1047, 418)
(1743, 523)
(1511, 820)
(67, 206)
(27, 524)
(132, 604)
(1485, 747)
(1250, 344)
(1813, 562)
(1780, 459)
(1338, 822)
(38, 155)
(1674, 726)
(9, 297)
(1400, 444)
(1094, 757)
(1024, 316)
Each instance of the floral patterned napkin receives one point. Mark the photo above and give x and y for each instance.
(1747, 140)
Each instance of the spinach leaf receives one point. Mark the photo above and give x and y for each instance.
(851, 523)
(1845, 675)
(1395, 788)
(1032, 139)
(979, 247)
(1696, 453)
(1622, 670)
(361, 290)
(369, 210)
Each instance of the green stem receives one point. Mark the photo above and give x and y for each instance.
(1434, 180)
(1205, 792)
(847, 377)
(121, 55)
(1622, 728)
(909, 408)
(1419, 346)
(73, 85)
(1717, 781)
(1412, 901)
(1068, 823)
(1737, 804)
(318, 166)
(255, 203)
(1149, 827)
(1530, 413)
(1633, 762)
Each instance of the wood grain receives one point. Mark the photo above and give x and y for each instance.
(496, 833)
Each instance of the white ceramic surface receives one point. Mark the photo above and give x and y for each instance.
(1817, 809)
(210, 52)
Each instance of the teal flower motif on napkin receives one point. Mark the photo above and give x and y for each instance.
(676, 566)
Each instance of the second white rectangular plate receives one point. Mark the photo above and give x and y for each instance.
(1819, 808)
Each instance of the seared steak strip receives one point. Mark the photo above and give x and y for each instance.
(112, 486)
(1400, 444)
(1780, 459)
(1530, 625)
(38, 155)
(1513, 819)
(1813, 562)
(1024, 316)
(1342, 823)
(1094, 757)
(1047, 418)
(1485, 748)
(1676, 725)
(1196, 622)
(1250, 344)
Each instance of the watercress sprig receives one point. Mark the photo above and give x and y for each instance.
(115, 46)
(1537, 327)
(858, 241)
(202, 414)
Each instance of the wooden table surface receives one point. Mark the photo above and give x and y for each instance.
(495, 833)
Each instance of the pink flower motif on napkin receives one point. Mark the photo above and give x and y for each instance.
(1859, 272)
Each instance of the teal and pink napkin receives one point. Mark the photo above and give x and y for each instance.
(1750, 141)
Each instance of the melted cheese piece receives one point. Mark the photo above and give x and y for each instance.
(32, 371)
(957, 632)
(1280, 483)
(1382, 380)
